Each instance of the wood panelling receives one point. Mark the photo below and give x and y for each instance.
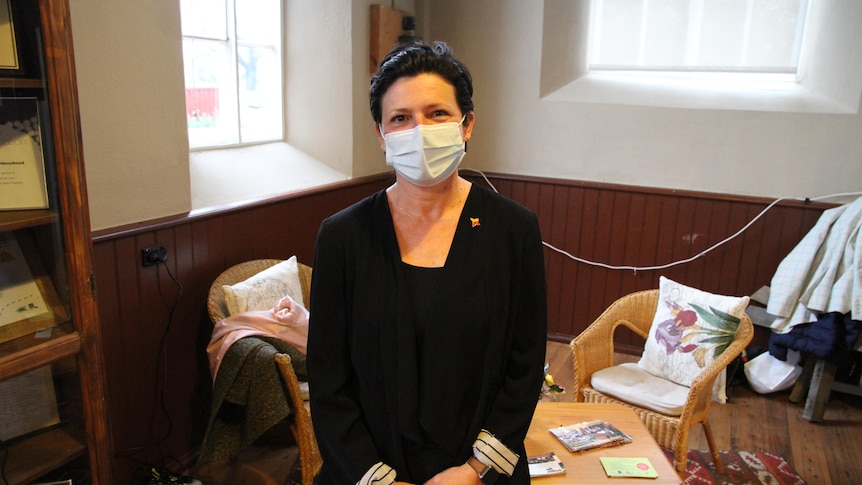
(644, 227)
(155, 327)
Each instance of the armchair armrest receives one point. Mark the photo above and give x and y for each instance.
(593, 349)
(700, 395)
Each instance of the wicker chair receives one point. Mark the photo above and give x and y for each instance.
(303, 433)
(593, 350)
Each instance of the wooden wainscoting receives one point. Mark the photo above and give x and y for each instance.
(643, 227)
(143, 311)
(159, 400)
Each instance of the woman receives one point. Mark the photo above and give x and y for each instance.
(428, 311)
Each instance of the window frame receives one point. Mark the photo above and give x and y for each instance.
(234, 45)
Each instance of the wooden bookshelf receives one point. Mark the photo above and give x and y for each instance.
(41, 454)
(57, 246)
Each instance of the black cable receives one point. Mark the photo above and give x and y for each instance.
(3, 462)
(163, 351)
(163, 357)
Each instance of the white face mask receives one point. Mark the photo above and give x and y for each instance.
(426, 154)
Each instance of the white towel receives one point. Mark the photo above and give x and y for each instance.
(823, 273)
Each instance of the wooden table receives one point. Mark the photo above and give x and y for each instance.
(585, 467)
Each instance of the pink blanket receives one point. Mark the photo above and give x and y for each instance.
(287, 320)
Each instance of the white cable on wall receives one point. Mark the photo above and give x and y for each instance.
(687, 260)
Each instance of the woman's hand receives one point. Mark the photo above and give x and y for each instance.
(460, 475)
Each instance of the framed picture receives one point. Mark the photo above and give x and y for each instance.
(8, 45)
(22, 165)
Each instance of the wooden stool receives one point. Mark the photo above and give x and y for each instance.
(818, 381)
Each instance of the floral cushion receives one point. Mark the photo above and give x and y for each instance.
(690, 329)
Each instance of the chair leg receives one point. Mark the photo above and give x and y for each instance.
(680, 461)
(707, 430)
(679, 446)
(307, 475)
(304, 463)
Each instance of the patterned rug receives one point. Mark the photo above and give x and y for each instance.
(740, 468)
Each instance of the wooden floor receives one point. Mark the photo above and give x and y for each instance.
(826, 453)
(823, 453)
(268, 462)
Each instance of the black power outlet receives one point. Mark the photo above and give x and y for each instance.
(154, 255)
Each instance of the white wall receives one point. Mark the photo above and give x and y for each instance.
(130, 82)
(319, 69)
(737, 152)
(130, 88)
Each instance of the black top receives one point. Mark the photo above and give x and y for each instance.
(407, 365)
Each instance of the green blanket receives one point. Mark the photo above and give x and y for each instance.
(249, 396)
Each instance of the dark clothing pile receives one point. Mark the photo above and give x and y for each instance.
(830, 337)
(248, 396)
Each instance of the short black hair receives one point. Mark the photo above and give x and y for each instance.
(408, 60)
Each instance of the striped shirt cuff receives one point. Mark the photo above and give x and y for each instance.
(379, 474)
(491, 451)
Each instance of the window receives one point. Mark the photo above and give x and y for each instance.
(828, 79)
(233, 71)
(743, 36)
(761, 36)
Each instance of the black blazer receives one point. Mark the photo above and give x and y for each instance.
(377, 395)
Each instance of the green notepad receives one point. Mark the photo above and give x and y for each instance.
(628, 467)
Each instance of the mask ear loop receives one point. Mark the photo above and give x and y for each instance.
(382, 135)
(461, 124)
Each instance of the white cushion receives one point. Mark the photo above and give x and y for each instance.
(263, 290)
(690, 329)
(627, 382)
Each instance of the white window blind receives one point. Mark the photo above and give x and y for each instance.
(738, 36)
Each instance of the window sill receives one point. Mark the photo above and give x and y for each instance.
(244, 174)
(681, 92)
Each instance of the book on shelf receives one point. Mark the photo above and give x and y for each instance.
(22, 166)
(590, 435)
(545, 465)
(20, 297)
(28, 403)
(619, 467)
